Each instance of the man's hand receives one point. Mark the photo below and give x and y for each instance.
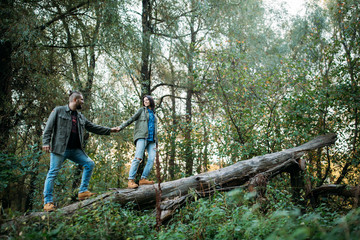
(46, 148)
(115, 129)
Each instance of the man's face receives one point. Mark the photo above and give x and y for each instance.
(79, 102)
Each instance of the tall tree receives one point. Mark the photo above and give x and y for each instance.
(6, 48)
(146, 23)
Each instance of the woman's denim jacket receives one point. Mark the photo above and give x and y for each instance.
(141, 125)
(58, 128)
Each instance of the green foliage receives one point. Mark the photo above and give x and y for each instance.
(226, 218)
(233, 215)
(106, 221)
(15, 167)
(8, 167)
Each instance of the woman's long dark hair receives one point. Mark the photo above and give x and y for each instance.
(151, 100)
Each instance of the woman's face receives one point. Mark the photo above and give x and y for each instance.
(146, 102)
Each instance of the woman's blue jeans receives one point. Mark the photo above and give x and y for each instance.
(141, 145)
(56, 160)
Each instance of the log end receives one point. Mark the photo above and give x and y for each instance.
(302, 164)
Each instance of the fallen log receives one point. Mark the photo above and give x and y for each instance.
(175, 192)
(335, 189)
(235, 175)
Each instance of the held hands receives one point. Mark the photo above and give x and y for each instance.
(46, 148)
(115, 129)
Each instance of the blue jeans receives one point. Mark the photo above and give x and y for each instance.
(141, 145)
(56, 160)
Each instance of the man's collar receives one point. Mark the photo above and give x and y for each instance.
(68, 108)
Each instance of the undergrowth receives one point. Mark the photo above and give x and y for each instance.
(233, 215)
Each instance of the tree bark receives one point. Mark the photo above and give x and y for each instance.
(229, 177)
(333, 189)
(146, 47)
(173, 131)
(189, 93)
(336, 189)
(6, 78)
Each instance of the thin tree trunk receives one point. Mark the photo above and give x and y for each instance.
(92, 61)
(146, 48)
(189, 161)
(173, 136)
(34, 173)
(189, 93)
(206, 150)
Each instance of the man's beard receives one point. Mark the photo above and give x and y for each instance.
(78, 106)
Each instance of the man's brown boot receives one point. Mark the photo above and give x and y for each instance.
(144, 181)
(49, 207)
(85, 195)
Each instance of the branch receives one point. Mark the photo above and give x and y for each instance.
(167, 84)
(63, 15)
(169, 95)
(74, 46)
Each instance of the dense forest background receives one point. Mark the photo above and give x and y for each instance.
(232, 79)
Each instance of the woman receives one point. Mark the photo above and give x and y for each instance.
(145, 137)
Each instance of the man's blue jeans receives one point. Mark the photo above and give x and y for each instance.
(141, 145)
(56, 160)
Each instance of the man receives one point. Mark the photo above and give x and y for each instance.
(64, 137)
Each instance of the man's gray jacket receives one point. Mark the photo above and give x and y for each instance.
(58, 128)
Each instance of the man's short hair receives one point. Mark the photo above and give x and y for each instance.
(74, 95)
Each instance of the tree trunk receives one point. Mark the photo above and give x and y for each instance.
(92, 55)
(6, 48)
(5, 94)
(173, 135)
(146, 47)
(187, 141)
(206, 148)
(189, 93)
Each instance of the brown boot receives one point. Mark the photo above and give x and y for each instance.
(85, 195)
(144, 181)
(132, 184)
(49, 207)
